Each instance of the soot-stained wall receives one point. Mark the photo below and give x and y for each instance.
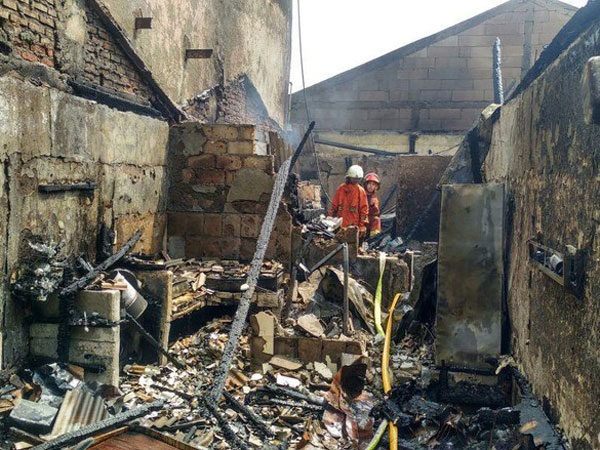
(48, 136)
(549, 158)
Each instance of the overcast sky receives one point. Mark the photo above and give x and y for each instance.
(340, 34)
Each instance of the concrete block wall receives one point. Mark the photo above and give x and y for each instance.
(443, 86)
(221, 179)
(70, 37)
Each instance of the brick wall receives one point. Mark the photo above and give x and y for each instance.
(105, 63)
(236, 101)
(31, 30)
(220, 185)
(442, 87)
(29, 27)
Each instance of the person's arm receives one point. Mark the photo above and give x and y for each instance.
(335, 204)
(374, 219)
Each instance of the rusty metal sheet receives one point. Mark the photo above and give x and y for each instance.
(470, 268)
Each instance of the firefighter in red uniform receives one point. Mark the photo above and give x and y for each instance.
(372, 185)
(350, 202)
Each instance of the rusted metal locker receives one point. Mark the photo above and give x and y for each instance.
(470, 270)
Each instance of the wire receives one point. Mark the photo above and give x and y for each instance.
(312, 139)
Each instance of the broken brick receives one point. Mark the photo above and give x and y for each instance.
(201, 161)
(228, 162)
(231, 225)
(250, 226)
(213, 225)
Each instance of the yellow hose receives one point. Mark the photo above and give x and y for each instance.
(385, 369)
(377, 302)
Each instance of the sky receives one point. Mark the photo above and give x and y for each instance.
(338, 35)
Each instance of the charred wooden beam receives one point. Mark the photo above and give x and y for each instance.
(241, 314)
(232, 439)
(297, 395)
(102, 95)
(86, 279)
(259, 423)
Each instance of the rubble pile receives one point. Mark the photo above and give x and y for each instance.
(199, 283)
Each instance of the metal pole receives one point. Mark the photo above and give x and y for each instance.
(346, 304)
(356, 148)
(154, 343)
(498, 88)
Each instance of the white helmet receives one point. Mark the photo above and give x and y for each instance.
(355, 172)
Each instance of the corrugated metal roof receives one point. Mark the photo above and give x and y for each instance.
(78, 409)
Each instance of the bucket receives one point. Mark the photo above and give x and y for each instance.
(131, 300)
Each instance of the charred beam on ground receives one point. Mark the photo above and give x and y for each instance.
(229, 434)
(154, 343)
(251, 415)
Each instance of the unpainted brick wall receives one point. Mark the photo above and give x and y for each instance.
(210, 166)
(105, 63)
(29, 29)
(235, 102)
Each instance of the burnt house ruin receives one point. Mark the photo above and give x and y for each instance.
(171, 278)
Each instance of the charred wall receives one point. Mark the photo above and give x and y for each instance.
(418, 198)
(333, 170)
(549, 158)
(51, 137)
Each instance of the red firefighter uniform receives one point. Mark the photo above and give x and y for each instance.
(374, 219)
(350, 203)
